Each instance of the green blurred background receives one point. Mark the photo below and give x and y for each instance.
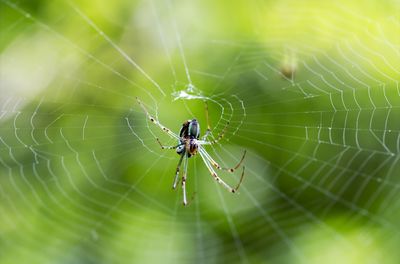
(311, 91)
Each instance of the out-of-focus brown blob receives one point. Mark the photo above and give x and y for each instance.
(288, 66)
(288, 71)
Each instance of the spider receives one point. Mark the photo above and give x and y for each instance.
(189, 144)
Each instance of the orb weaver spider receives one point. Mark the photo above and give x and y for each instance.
(189, 144)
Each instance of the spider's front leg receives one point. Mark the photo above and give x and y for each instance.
(176, 179)
(217, 178)
(217, 166)
(185, 168)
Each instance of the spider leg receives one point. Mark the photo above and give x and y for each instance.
(217, 166)
(168, 147)
(219, 137)
(221, 134)
(208, 131)
(217, 178)
(176, 179)
(156, 122)
(240, 181)
(185, 167)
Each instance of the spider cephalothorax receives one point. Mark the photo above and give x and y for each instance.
(189, 144)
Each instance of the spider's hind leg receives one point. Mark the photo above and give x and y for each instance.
(155, 121)
(208, 131)
(167, 147)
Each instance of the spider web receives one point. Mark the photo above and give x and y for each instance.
(312, 94)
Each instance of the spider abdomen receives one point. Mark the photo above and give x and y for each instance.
(194, 129)
(190, 129)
